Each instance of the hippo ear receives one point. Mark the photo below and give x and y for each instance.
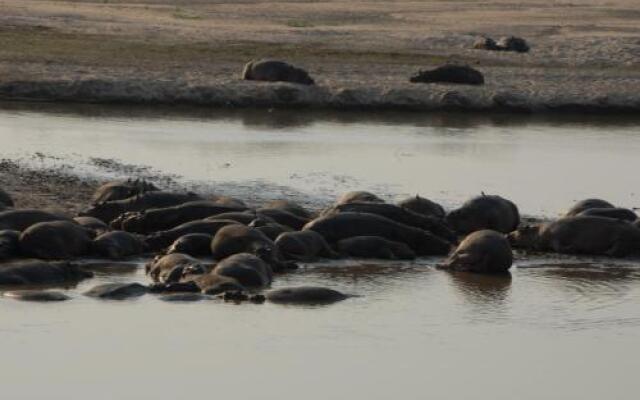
(483, 193)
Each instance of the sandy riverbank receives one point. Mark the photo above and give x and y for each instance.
(584, 56)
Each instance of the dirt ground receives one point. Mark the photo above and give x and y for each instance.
(580, 50)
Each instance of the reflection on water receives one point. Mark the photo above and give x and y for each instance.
(558, 327)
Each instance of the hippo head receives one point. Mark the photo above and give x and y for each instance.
(526, 237)
(133, 222)
(106, 211)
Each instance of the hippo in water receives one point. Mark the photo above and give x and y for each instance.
(172, 267)
(160, 219)
(485, 212)
(615, 213)
(37, 272)
(193, 244)
(109, 210)
(375, 247)
(207, 282)
(19, 220)
(160, 240)
(5, 200)
(483, 251)
(9, 244)
(458, 74)
(586, 204)
(120, 190)
(117, 291)
(349, 224)
(117, 245)
(303, 246)
(55, 240)
(423, 206)
(580, 235)
(249, 270)
(306, 295)
(275, 71)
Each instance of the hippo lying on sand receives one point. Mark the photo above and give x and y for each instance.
(615, 213)
(485, 212)
(193, 244)
(117, 245)
(349, 224)
(506, 43)
(423, 206)
(120, 190)
(55, 240)
(580, 235)
(303, 246)
(9, 244)
(275, 71)
(375, 247)
(484, 251)
(19, 220)
(360, 197)
(586, 204)
(459, 74)
(36, 272)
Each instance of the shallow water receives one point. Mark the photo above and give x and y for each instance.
(559, 328)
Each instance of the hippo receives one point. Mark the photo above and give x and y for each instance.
(244, 217)
(360, 197)
(458, 74)
(485, 43)
(586, 204)
(423, 206)
(275, 71)
(400, 215)
(512, 43)
(120, 190)
(55, 240)
(19, 220)
(249, 270)
(37, 295)
(289, 206)
(349, 224)
(161, 219)
(93, 224)
(485, 212)
(9, 244)
(208, 283)
(108, 211)
(580, 235)
(117, 245)
(172, 267)
(374, 247)
(38, 272)
(5, 200)
(271, 229)
(117, 291)
(303, 246)
(237, 238)
(484, 251)
(193, 244)
(307, 295)
(615, 213)
(231, 202)
(160, 240)
(283, 217)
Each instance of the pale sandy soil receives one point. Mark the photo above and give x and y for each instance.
(584, 53)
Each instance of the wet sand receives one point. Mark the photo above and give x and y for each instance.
(584, 57)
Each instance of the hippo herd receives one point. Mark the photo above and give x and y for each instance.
(279, 71)
(218, 246)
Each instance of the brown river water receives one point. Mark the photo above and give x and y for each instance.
(558, 328)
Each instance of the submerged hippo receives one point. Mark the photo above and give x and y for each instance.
(349, 224)
(37, 295)
(55, 240)
(485, 212)
(400, 215)
(5, 200)
(459, 74)
(95, 225)
(37, 272)
(305, 295)
(193, 244)
(483, 251)
(117, 245)
(249, 270)
(289, 206)
(359, 196)
(615, 213)
(9, 244)
(110, 210)
(117, 291)
(303, 246)
(172, 267)
(163, 239)
(19, 220)
(423, 206)
(160, 219)
(375, 247)
(275, 71)
(120, 190)
(586, 204)
(580, 235)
